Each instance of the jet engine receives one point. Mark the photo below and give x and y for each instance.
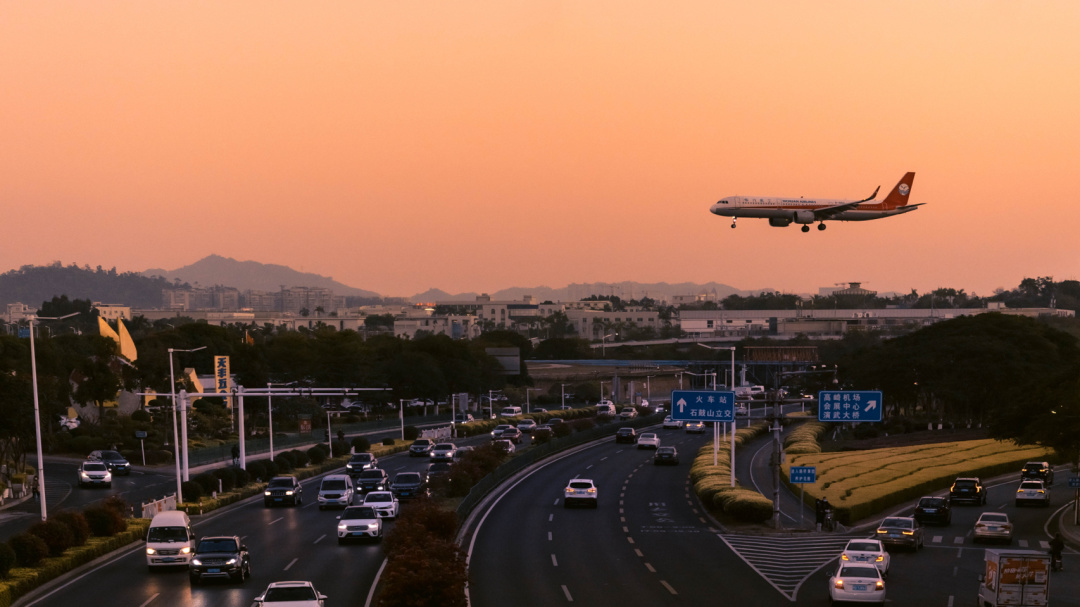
(779, 222)
(804, 217)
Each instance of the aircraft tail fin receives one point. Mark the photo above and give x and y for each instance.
(899, 196)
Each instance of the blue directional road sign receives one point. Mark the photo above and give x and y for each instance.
(803, 474)
(849, 406)
(1074, 482)
(702, 406)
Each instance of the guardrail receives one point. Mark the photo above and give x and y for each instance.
(149, 509)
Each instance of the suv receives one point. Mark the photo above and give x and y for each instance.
(933, 510)
(220, 557)
(375, 479)
(407, 485)
(626, 435)
(628, 413)
(580, 490)
(421, 447)
(1042, 471)
(968, 489)
(360, 462)
(94, 473)
(116, 462)
(283, 489)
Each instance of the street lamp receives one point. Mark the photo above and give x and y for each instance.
(37, 409)
(176, 437)
(603, 344)
(648, 386)
(527, 390)
(562, 391)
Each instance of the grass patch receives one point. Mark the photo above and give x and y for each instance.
(712, 484)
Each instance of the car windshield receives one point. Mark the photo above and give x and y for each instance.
(111, 455)
(666, 450)
(361, 458)
(371, 474)
(1033, 467)
(281, 482)
(378, 497)
(994, 518)
(863, 547)
(932, 502)
(423, 442)
(580, 485)
(444, 447)
(407, 477)
(359, 512)
(899, 523)
(965, 484)
(333, 485)
(167, 534)
(1031, 485)
(94, 467)
(858, 571)
(290, 593)
(217, 545)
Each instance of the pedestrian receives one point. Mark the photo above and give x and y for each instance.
(235, 454)
(1057, 545)
(819, 512)
(36, 490)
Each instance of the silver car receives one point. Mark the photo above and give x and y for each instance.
(993, 526)
(1032, 492)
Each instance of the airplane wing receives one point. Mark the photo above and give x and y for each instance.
(827, 212)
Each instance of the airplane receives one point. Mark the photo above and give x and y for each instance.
(781, 212)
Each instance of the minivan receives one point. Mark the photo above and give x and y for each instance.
(605, 408)
(510, 411)
(335, 490)
(169, 540)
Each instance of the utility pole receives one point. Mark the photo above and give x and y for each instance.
(778, 455)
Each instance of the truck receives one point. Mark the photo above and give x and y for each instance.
(1015, 578)
(749, 391)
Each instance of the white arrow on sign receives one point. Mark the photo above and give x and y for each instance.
(872, 405)
(682, 405)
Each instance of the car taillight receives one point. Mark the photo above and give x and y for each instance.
(839, 584)
(592, 490)
(844, 557)
(880, 558)
(879, 585)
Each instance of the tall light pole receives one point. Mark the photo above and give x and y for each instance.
(562, 391)
(603, 344)
(648, 385)
(527, 390)
(37, 409)
(176, 436)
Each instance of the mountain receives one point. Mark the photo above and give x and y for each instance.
(217, 270)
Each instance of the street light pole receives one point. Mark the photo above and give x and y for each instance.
(181, 441)
(527, 390)
(603, 345)
(562, 391)
(37, 411)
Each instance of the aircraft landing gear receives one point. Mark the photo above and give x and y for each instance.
(806, 228)
(733, 223)
(821, 226)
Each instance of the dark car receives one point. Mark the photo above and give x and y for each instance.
(1042, 471)
(666, 455)
(900, 531)
(511, 434)
(626, 435)
(555, 421)
(421, 447)
(117, 463)
(360, 462)
(375, 479)
(219, 557)
(283, 490)
(933, 510)
(968, 489)
(437, 469)
(407, 485)
(542, 432)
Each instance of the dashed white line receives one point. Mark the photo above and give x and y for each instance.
(630, 539)
(150, 600)
(639, 552)
(650, 568)
(668, 586)
(556, 503)
(550, 516)
(554, 563)
(950, 600)
(603, 458)
(549, 536)
(321, 538)
(958, 539)
(566, 591)
(1023, 543)
(589, 466)
(936, 540)
(275, 520)
(291, 563)
(626, 530)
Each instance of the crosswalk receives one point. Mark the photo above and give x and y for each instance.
(786, 562)
(961, 540)
(55, 493)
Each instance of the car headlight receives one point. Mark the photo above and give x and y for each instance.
(83, 474)
(880, 558)
(196, 562)
(341, 526)
(151, 551)
(348, 466)
(108, 476)
(231, 561)
(266, 493)
(289, 492)
(185, 550)
(373, 526)
(908, 532)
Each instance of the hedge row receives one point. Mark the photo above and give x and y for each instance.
(712, 484)
(804, 438)
(862, 483)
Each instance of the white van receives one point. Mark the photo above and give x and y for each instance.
(749, 391)
(169, 540)
(336, 490)
(510, 411)
(605, 408)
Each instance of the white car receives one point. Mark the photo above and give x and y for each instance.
(1032, 492)
(695, 428)
(291, 594)
(92, 474)
(741, 410)
(993, 526)
(384, 503)
(628, 413)
(648, 440)
(443, 452)
(860, 551)
(526, 425)
(858, 584)
(672, 423)
(358, 523)
(580, 491)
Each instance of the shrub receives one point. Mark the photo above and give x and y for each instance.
(283, 463)
(207, 481)
(75, 521)
(299, 458)
(316, 455)
(227, 478)
(58, 536)
(140, 415)
(388, 441)
(561, 430)
(29, 549)
(580, 425)
(340, 448)
(242, 476)
(360, 444)
(257, 469)
(192, 491)
(7, 559)
(104, 521)
(118, 504)
(412, 433)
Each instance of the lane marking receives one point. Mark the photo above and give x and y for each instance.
(630, 539)
(639, 553)
(955, 569)
(958, 539)
(549, 536)
(668, 586)
(650, 568)
(550, 516)
(959, 552)
(1023, 543)
(554, 563)
(566, 591)
(603, 458)
(626, 530)
(950, 600)
(936, 540)
(589, 466)
(275, 520)
(291, 563)
(556, 503)
(321, 538)
(151, 599)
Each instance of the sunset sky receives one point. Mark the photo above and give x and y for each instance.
(475, 146)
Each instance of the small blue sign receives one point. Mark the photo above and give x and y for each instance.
(1074, 482)
(702, 406)
(803, 474)
(24, 332)
(849, 406)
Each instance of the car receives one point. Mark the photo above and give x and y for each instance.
(117, 463)
(443, 452)
(1042, 471)
(868, 552)
(461, 452)
(438, 469)
(543, 431)
(498, 430)
(935, 510)
(626, 435)
(993, 526)
(526, 425)
(511, 434)
(360, 462)
(384, 503)
(555, 421)
(421, 447)
(505, 445)
(672, 423)
(857, 584)
(407, 485)
(463, 418)
(375, 479)
(292, 594)
(1032, 492)
(580, 491)
(741, 410)
(282, 490)
(968, 489)
(359, 522)
(94, 474)
(539, 410)
(336, 490)
(900, 531)
(219, 557)
(666, 455)
(628, 413)
(648, 440)
(695, 428)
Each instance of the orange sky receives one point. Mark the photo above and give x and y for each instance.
(474, 146)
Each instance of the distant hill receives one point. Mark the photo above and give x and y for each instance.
(33, 285)
(216, 270)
